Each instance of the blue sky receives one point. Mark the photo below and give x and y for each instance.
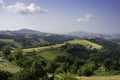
(61, 16)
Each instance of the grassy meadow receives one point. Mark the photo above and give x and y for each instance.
(10, 68)
(85, 43)
(77, 41)
(117, 77)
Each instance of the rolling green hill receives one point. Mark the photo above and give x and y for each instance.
(72, 56)
(50, 52)
(16, 44)
(30, 40)
(76, 41)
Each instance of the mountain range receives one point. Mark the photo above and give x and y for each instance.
(76, 33)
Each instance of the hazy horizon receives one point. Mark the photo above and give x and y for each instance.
(61, 16)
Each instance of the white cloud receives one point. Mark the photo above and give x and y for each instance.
(1, 1)
(86, 18)
(21, 8)
(80, 19)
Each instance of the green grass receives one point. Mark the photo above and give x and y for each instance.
(117, 77)
(78, 41)
(49, 55)
(86, 43)
(41, 48)
(9, 68)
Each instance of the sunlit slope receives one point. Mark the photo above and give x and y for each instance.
(76, 41)
(42, 48)
(117, 77)
(49, 52)
(86, 43)
(49, 55)
(10, 68)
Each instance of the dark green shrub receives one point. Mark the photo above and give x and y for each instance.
(4, 75)
(85, 72)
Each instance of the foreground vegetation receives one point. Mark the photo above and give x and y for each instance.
(65, 61)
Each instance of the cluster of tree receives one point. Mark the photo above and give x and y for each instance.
(35, 72)
(74, 59)
(2, 44)
(78, 59)
(74, 65)
(83, 52)
(6, 50)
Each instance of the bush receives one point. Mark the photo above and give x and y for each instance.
(18, 54)
(58, 70)
(111, 65)
(85, 72)
(6, 51)
(24, 74)
(51, 67)
(73, 69)
(4, 75)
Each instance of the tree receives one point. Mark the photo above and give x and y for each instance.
(24, 62)
(24, 74)
(85, 72)
(111, 64)
(18, 53)
(73, 69)
(65, 66)
(51, 67)
(38, 70)
(87, 69)
(6, 50)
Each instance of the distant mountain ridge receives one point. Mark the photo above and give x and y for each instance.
(29, 31)
(27, 38)
(85, 34)
(79, 34)
(82, 34)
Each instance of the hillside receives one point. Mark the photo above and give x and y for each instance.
(51, 52)
(26, 38)
(29, 32)
(11, 41)
(76, 41)
(86, 43)
(59, 55)
(71, 56)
